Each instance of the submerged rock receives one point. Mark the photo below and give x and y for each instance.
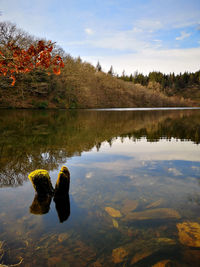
(191, 256)
(4, 250)
(129, 205)
(113, 212)
(162, 213)
(140, 256)
(162, 263)
(63, 236)
(166, 240)
(1, 250)
(41, 182)
(189, 233)
(118, 254)
(115, 223)
(155, 204)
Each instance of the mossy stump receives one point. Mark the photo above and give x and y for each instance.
(62, 183)
(41, 182)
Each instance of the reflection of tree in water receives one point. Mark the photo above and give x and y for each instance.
(44, 139)
(14, 169)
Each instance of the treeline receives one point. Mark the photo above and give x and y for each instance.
(168, 83)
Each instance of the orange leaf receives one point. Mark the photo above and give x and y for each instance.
(56, 71)
(13, 82)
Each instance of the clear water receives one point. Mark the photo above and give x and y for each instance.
(135, 175)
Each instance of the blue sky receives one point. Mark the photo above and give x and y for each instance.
(143, 35)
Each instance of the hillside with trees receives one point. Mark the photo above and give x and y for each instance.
(185, 84)
(80, 84)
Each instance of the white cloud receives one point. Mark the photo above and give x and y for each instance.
(183, 36)
(149, 25)
(146, 60)
(89, 31)
(137, 30)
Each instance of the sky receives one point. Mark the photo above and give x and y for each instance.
(130, 35)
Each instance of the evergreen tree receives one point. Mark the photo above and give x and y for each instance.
(111, 71)
(98, 67)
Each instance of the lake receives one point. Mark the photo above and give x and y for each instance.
(134, 195)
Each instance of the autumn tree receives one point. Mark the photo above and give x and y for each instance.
(20, 57)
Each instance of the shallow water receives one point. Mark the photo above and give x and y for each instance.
(135, 178)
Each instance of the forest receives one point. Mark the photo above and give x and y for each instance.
(186, 84)
(37, 73)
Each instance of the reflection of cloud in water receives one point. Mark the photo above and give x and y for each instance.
(196, 168)
(117, 166)
(174, 171)
(89, 175)
(162, 150)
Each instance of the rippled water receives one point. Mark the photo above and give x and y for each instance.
(134, 194)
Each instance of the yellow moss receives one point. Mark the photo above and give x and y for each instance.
(64, 169)
(189, 233)
(39, 172)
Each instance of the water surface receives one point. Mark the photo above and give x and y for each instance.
(135, 178)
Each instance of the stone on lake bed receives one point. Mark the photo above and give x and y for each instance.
(162, 263)
(155, 204)
(113, 212)
(166, 240)
(41, 182)
(140, 256)
(118, 254)
(189, 233)
(129, 205)
(63, 236)
(1, 249)
(115, 223)
(161, 213)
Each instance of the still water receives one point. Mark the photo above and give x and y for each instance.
(134, 194)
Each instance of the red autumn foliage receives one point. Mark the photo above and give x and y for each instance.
(14, 60)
